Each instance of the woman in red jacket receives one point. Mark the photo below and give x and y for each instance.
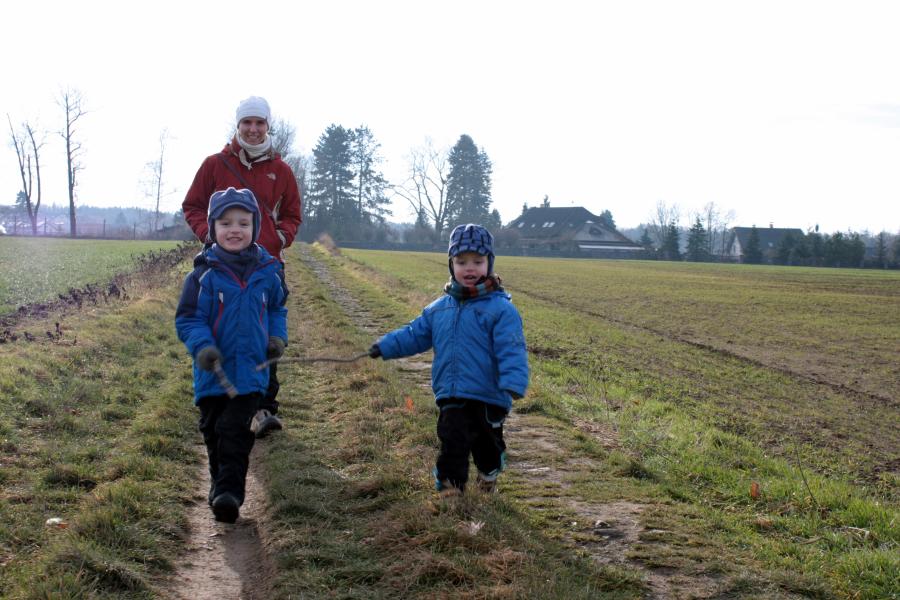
(248, 161)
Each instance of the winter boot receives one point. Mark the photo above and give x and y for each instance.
(263, 422)
(486, 483)
(445, 489)
(226, 508)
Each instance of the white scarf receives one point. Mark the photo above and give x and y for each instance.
(251, 153)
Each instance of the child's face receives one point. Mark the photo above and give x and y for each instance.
(234, 229)
(469, 267)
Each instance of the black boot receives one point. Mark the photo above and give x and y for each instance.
(226, 508)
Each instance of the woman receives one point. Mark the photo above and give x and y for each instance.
(248, 161)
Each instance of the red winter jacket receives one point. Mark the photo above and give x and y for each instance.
(271, 181)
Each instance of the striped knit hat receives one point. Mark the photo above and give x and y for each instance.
(471, 238)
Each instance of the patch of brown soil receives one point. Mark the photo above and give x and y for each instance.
(222, 560)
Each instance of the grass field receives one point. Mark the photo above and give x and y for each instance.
(37, 269)
(789, 356)
(748, 416)
(719, 376)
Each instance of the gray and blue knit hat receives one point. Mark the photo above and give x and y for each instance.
(471, 238)
(222, 200)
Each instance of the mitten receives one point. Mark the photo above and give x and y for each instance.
(207, 357)
(515, 395)
(275, 349)
(374, 351)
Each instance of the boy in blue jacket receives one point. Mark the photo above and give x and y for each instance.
(480, 361)
(231, 316)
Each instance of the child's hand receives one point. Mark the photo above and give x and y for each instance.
(515, 395)
(207, 358)
(374, 351)
(275, 349)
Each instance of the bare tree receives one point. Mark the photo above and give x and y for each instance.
(72, 103)
(26, 155)
(283, 134)
(716, 221)
(154, 183)
(302, 167)
(426, 187)
(660, 221)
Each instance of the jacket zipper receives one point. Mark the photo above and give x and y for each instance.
(219, 315)
(262, 311)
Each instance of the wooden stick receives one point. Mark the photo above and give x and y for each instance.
(309, 359)
(223, 380)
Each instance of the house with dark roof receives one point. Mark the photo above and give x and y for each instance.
(570, 231)
(769, 239)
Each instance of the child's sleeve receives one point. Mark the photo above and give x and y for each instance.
(277, 309)
(413, 338)
(511, 353)
(192, 316)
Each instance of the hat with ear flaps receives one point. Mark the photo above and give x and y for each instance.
(222, 200)
(471, 238)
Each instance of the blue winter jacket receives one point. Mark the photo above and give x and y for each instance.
(479, 348)
(238, 317)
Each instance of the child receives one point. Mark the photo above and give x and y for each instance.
(480, 362)
(231, 315)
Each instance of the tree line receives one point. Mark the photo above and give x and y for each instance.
(347, 195)
(709, 237)
(344, 189)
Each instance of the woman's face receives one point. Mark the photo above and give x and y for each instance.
(253, 130)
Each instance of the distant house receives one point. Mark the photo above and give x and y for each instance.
(769, 239)
(570, 231)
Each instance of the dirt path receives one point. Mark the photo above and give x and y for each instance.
(605, 531)
(222, 562)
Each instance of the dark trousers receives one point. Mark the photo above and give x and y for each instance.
(269, 402)
(469, 427)
(225, 425)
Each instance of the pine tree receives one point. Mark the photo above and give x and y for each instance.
(786, 252)
(816, 249)
(753, 252)
(697, 243)
(671, 241)
(371, 202)
(606, 219)
(647, 242)
(331, 191)
(468, 183)
(881, 251)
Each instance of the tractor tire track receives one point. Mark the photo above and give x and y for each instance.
(717, 350)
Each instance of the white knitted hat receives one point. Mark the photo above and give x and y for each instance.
(254, 106)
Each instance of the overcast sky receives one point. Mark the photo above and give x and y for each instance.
(782, 112)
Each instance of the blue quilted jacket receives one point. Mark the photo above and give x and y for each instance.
(479, 347)
(238, 317)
